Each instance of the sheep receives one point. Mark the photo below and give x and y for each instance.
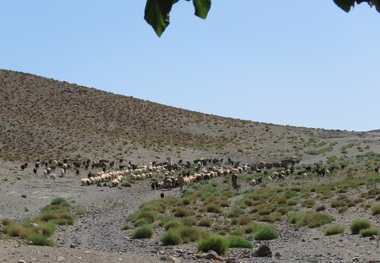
(115, 182)
(53, 176)
(253, 182)
(86, 181)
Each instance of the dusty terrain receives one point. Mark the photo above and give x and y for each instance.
(43, 119)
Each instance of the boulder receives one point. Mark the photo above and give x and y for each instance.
(263, 251)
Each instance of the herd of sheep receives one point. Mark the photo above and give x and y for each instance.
(167, 174)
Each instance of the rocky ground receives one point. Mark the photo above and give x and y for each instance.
(96, 235)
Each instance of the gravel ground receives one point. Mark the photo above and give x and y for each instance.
(96, 236)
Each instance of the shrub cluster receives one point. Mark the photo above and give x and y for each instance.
(38, 230)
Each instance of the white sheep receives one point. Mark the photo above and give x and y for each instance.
(253, 182)
(86, 181)
(115, 182)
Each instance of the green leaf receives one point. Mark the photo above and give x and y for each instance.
(157, 14)
(202, 7)
(345, 4)
(376, 3)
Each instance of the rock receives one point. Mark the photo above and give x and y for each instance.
(232, 260)
(170, 259)
(263, 251)
(21, 261)
(211, 255)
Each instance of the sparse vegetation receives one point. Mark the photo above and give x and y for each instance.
(143, 232)
(213, 242)
(265, 232)
(375, 210)
(367, 232)
(238, 242)
(358, 225)
(171, 237)
(309, 219)
(334, 230)
(37, 231)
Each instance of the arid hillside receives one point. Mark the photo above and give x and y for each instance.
(298, 184)
(46, 118)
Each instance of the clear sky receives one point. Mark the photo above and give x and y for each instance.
(296, 62)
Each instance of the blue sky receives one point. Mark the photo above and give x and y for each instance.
(296, 62)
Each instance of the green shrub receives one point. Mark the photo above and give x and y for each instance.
(266, 232)
(47, 229)
(143, 232)
(334, 230)
(189, 221)
(251, 228)
(291, 202)
(191, 234)
(148, 215)
(172, 223)
(358, 225)
(206, 222)
(375, 210)
(141, 222)
(7, 221)
(60, 201)
(309, 219)
(181, 212)
(369, 232)
(238, 242)
(309, 203)
(214, 208)
(126, 227)
(213, 242)
(18, 230)
(39, 240)
(171, 237)
(58, 218)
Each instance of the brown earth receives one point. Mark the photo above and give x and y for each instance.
(45, 119)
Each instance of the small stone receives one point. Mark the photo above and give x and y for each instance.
(21, 261)
(170, 259)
